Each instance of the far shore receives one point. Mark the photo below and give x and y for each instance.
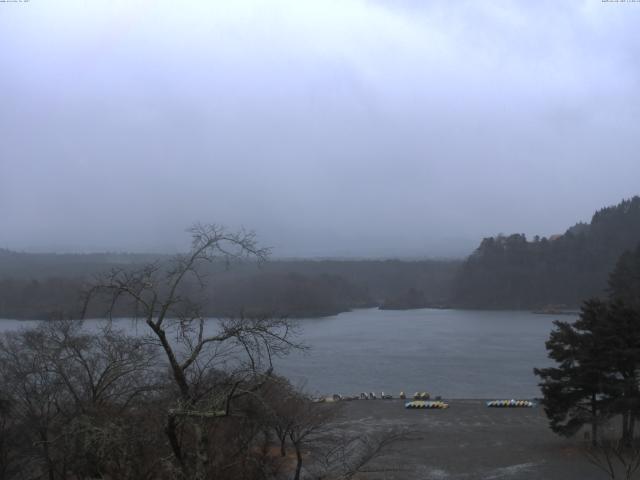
(318, 314)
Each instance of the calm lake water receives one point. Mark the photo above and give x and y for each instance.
(453, 353)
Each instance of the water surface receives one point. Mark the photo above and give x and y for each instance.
(453, 353)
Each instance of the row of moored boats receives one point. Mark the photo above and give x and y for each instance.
(422, 400)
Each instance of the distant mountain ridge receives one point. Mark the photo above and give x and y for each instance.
(512, 272)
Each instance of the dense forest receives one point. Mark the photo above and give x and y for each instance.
(561, 271)
(35, 286)
(504, 272)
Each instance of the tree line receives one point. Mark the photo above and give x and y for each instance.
(503, 272)
(41, 286)
(512, 272)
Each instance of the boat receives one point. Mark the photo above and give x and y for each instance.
(439, 405)
(510, 404)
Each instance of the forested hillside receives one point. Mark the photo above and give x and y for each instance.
(504, 272)
(45, 285)
(512, 272)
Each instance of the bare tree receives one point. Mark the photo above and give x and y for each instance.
(346, 457)
(322, 450)
(65, 385)
(618, 459)
(36, 394)
(309, 421)
(243, 348)
(279, 406)
(9, 450)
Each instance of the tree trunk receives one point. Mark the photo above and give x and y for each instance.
(202, 451)
(594, 421)
(176, 369)
(625, 428)
(266, 442)
(283, 450)
(174, 442)
(44, 437)
(299, 464)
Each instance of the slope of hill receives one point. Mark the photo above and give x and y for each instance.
(511, 272)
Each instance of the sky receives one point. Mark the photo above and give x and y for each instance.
(333, 128)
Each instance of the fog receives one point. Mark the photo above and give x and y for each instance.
(332, 128)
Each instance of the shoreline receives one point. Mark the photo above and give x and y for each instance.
(316, 315)
(434, 398)
(467, 441)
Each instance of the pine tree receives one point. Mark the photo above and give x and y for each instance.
(576, 391)
(624, 281)
(598, 359)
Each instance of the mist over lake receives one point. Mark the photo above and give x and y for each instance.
(262, 208)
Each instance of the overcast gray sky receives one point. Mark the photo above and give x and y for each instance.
(332, 128)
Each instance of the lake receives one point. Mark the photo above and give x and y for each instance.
(452, 353)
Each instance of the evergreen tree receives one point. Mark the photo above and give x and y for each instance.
(624, 281)
(620, 339)
(576, 391)
(511, 272)
(598, 360)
